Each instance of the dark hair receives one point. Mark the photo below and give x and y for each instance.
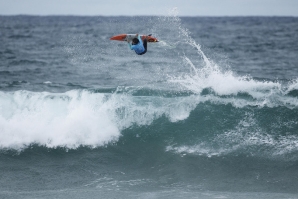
(135, 41)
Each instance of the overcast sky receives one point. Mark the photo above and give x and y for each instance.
(151, 7)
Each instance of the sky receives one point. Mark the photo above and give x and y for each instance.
(150, 7)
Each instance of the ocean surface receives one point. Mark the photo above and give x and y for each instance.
(210, 111)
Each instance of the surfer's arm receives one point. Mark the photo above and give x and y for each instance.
(140, 39)
(129, 44)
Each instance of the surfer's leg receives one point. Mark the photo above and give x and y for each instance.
(145, 46)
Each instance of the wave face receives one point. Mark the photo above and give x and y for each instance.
(79, 115)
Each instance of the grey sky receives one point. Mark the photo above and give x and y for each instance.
(151, 7)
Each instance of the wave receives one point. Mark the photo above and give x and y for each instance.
(96, 118)
(79, 117)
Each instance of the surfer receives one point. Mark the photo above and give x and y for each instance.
(139, 46)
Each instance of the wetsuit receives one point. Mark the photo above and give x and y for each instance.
(141, 47)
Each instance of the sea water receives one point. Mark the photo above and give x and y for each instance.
(210, 111)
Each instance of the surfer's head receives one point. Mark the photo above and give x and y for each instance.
(135, 41)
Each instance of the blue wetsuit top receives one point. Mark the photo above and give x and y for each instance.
(138, 48)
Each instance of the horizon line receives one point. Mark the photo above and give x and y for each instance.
(80, 15)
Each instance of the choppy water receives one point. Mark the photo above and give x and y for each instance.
(211, 111)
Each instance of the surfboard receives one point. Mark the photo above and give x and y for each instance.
(129, 37)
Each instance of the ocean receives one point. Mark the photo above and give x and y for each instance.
(210, 111)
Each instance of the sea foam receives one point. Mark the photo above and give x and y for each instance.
(79, 117)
